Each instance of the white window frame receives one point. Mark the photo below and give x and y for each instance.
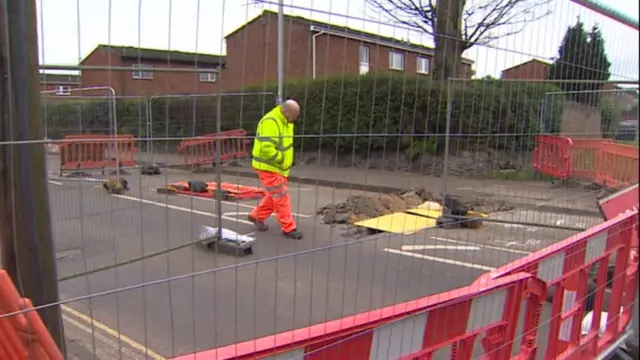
(422, 60)
(363, 60)
(208, 76)
(393, 56)
(141, 72)
(63, 90)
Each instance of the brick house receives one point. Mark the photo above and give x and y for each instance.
(111, 63)
(316, 49)
(533, 69)
(59, 84)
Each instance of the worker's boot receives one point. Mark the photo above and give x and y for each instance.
(294, 234)
(259, 225)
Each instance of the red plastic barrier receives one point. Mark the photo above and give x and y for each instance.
(96, 151)
(22, 335)
(551, 156)
(565, 266)
(585, 157)
(450, 321)
(618, 165)
(598, 160)
(202, 150)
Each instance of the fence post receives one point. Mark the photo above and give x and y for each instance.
(447, 137)
(26, 244)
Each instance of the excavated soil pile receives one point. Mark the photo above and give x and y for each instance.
(361, 207)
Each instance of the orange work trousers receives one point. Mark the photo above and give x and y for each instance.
(276, 201)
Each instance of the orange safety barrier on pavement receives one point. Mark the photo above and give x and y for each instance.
(565, 268)
(551, 156)
(584, 155)
(448, 322)
(202, 150)
(96, 151)
(232, 191)
(601, 161)
(618, 165)
(22, 335)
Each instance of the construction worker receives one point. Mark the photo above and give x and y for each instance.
(272, 160)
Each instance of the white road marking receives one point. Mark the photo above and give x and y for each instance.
(482, 246)
(179, 208)
(229, 203)
(55, 183)
(437, 247)
(440, 260)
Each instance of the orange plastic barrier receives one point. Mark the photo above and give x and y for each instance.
(584, 155)
(565, 266)
(96, 151)
(551, 156)
(617, 165)
(450, 321)
(22, 335)
(598, 160)
(231, 191)
(202, 150)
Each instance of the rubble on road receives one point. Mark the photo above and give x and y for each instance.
(366, 206)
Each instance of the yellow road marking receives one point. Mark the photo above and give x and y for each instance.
(113, 333)
(99, 337)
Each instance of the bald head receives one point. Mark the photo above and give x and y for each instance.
(290, 109)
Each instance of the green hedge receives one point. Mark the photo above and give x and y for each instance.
(346, 114)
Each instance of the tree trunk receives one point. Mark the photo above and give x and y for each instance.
(449, 47)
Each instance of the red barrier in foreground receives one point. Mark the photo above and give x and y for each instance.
(96, 152)
(202, 150)
(565, 268)
(449, 321)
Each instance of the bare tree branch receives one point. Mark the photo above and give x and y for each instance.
(481, 19)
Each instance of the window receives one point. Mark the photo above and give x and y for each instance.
(142, 71)
(209, 76)
(364, 60)
(396, 60)
(63, 90)
(422, 65)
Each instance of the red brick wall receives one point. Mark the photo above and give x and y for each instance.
(252, 55)
(125, 85)
(532, 70)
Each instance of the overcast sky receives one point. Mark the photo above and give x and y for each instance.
(70, 29)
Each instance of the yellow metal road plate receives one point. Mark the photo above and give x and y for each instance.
(434, 214)
(398, 223)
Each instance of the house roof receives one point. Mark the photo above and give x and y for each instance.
(345, 31)
(61, 79)
(528, 62)
(145, 54)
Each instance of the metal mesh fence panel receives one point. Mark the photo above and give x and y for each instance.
(442, 155)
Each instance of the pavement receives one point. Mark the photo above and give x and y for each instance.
(214, 299)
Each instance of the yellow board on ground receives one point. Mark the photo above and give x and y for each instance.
(430, 213)
(398, 223)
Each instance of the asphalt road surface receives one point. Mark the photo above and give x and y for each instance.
(217, 298)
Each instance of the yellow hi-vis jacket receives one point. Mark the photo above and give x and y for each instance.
(273, 146)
